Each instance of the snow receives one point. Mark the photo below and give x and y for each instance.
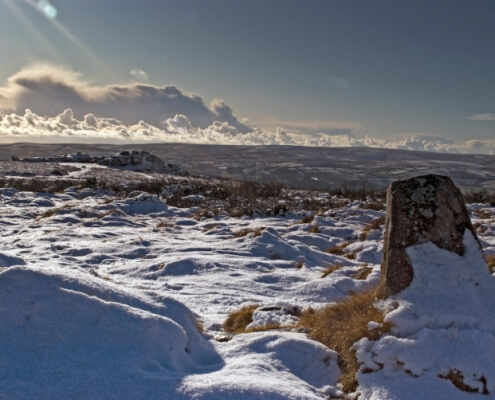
(102, 296)
(442, 322)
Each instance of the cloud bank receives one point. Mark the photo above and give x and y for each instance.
(65, 127)
(44, 103)
(48, 90)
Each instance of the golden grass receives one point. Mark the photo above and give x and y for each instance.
(371, 226)
(490, 260)
(237, 321)
(338, 250)
(314, 229)
(331, 268)
(362, 273)
(307, 219)
(342, 324)
(246, 231)
(263, 328)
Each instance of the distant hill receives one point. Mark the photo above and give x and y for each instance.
(302, 167)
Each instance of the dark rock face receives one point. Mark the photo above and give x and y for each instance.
(427, 208)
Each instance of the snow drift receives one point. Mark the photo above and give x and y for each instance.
(65, 337)
(442, 345)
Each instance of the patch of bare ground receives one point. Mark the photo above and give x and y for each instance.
(340, 325)
(457, 378)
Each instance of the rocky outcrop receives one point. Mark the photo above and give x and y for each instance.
(134, 160)
(427, 208)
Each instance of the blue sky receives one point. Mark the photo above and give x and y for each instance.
(393, 68)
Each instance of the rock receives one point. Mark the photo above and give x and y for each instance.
(427, 208)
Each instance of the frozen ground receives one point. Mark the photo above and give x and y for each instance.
(102, 296)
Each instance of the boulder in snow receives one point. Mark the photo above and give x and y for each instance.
(422, 209)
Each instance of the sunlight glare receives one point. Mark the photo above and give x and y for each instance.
(47, 8)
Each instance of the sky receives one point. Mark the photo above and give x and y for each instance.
(417, 74)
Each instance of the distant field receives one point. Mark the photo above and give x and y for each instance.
(302, 167)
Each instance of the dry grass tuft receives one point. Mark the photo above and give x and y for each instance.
(299, 264)
(342, 324)
(331, 268)
(307, 219)
(362, 273)
(95, 273)
(375, 205)
(267, 327)
(485, 214)
(113, 211)
(164, 224)
(237, 321)
(490, 260)
(314, 229)
(199, 326)
(371, 226)
(479, 228)
(53, 211)
(338, 250)
(246, 231)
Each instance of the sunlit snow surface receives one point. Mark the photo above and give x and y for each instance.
(100, 296)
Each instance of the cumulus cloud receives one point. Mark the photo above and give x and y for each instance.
(48, 90)
(483, 117)
(90, 128)
(49, 103)
(139, 74)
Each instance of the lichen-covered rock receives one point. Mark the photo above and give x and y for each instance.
(427, 208)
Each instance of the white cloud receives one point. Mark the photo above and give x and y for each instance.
(483, 117)
(139, 74)
(90, 128)
(48, 90)
(49, 103)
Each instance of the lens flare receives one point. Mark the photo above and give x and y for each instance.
(47, 8)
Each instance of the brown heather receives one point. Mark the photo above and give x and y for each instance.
(331, 268)
(237, 321)
(342, 324)
(371, 226)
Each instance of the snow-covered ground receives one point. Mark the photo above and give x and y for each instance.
(102, 297)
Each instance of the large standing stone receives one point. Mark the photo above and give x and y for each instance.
(427, 208)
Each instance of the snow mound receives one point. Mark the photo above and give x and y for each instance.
(275, 366)
(443, 326)
(62, 337)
